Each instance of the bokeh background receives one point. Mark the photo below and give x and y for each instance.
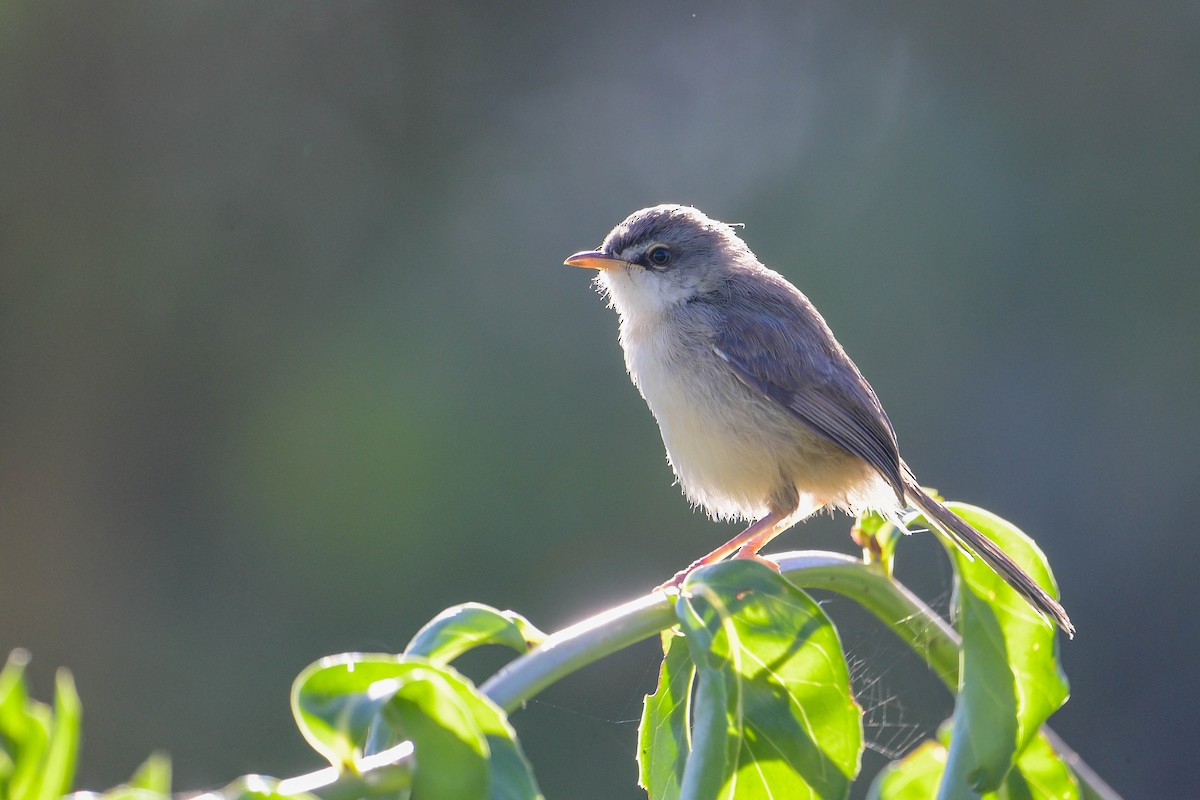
(289, 362)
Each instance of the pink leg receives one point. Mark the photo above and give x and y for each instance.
(751, 546)
(748, 543)
(750, 549)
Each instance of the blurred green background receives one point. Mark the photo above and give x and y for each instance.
(289, 362)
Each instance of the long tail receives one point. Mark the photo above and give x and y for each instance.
(986, 549)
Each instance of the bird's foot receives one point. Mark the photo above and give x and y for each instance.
(745, 543)
(679, 577)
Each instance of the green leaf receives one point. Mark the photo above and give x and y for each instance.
(39, 747)
(24, 729)
(13, 723)
(463, 627)
(772, 689)
(711, 765)
(62, 748)
(1010, 681)
(154, 775)
(453, 699)
(463, 744)
(1038, 774)
(450, 749)
(14, 695)
(663, 739)
(335, 705)
(877, 537)
(152, 781)
(916, 777)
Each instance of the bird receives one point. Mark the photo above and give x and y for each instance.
(764, 416)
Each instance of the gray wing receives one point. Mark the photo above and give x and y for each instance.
(777, 344)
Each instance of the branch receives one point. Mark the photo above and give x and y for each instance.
(570, 649)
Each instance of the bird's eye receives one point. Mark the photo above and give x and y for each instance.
(659, 256)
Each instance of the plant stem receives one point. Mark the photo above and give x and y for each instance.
(567, 650)
(570, 649)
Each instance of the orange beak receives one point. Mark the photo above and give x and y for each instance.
(595, 259)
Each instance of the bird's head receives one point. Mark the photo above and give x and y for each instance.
(662, 256)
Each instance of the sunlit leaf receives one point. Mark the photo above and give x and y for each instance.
(663, 737)
(154, 775)
(450, 749)
(335, 705)
(916, 777)
(877, 537)
(427, 710)
(1010, 680)
(463, 744)
(711, 767)
(463, 627)
(152, 781)
(62, 747)
(24, 730)
(1038, 774)
(14, 695)
(768, 655)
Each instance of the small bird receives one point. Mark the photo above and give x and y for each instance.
(764, 416)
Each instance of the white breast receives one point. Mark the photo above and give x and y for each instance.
(721, 464)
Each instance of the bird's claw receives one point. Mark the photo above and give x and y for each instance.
(676, 580)
(679, 577)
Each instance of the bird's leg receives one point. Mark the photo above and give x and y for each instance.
(750, 549)
(747, 543)
(752, 544)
